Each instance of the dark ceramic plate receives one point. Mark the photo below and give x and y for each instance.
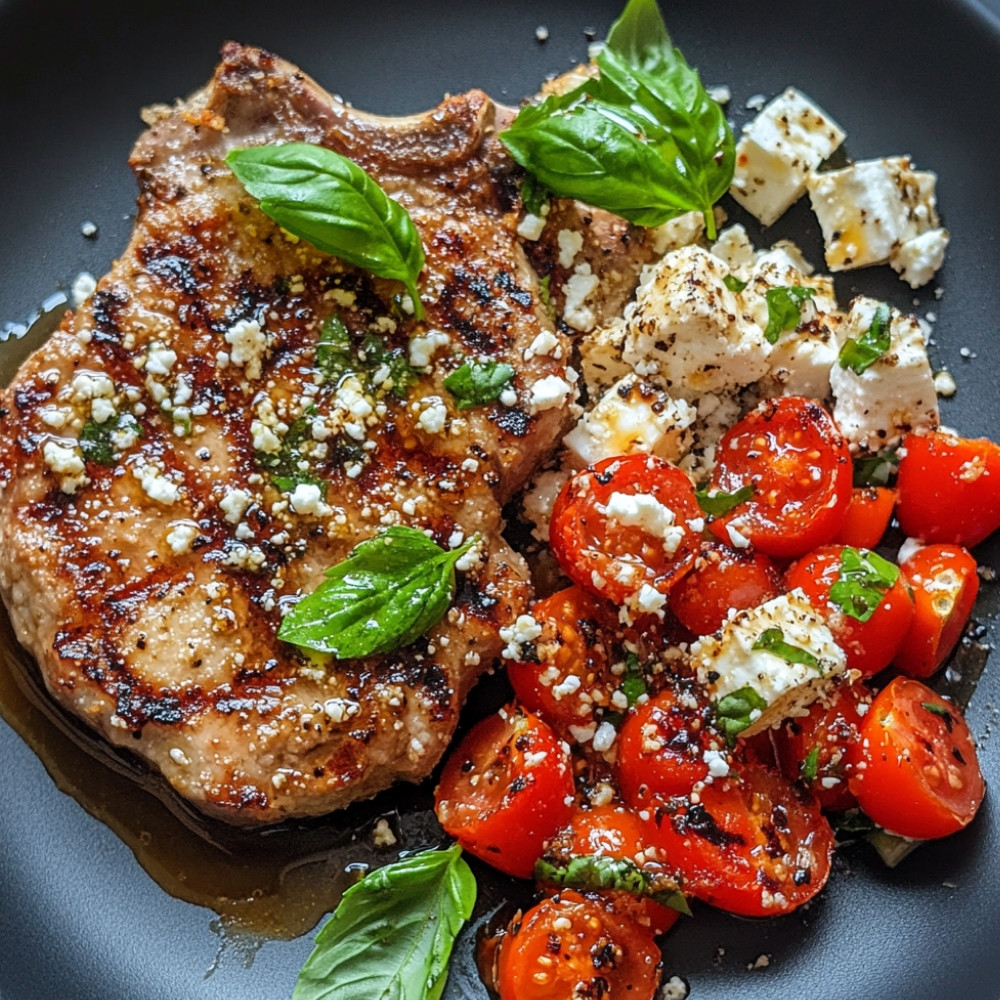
(81, 918)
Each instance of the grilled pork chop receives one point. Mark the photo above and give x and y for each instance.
(182, 459)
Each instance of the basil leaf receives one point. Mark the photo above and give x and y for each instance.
(716, 503)
(875, 470)
(476, 383)
(334, 354)
(859, 355)
(734, 712)
(330, 201)
(773, 640)
(810, 765)
(98, 441)
(644, 140)
(393, 932)
(862, 581)
(534, 196)
(392, 367)
(383, 596)
(600, 871)
(733, 283)
(784, 309)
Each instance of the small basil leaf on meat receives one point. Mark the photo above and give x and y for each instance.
(717, 503)
(810, 765)
(383, 596)
(784, 309)
(773, 641)
(325, 198)
(334, 355)
(862, 581)
(393, 932)
(644, 140)
(735, 711)
(859, 355)
(476, 383)
(99, 442)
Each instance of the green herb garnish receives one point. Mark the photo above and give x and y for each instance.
(733, 283)
(383, 596)
(862, 581)
(773, 641)
(717, 503)
(97, 441)
(859, 355)
(810, 765)
(325, 198)
(644, 140)
(393, 932)
(734, 712)
(476, 383)
(600, 872)
(876, 470)
(784, 309)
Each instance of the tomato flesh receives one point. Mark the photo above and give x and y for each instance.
(915, 771)
(800, 466)
(506, 790)
(573, 945)
(868, 515)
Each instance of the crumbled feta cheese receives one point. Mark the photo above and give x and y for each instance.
(248, 344)
(234, 504)
(307, 498)
(433, 414)
(424, 347)
(570, 244)
(578, 289)
(644, 511)
(155, 484)
(549, 392)
(181, 536)
(524, 631)
(66, 461)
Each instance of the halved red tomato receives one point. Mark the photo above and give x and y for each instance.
(627, 529)
(799, 465)
(868, 516)
(915, 771)
(573, 945)
(506, 790)
(871, 616)
(949, 488)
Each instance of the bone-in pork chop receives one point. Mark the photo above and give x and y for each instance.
(184, 457)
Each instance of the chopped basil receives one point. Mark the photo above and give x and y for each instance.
(325, 198)
(97, 441)
(634, 687)
(383, 596)
(773, 640)
(862, 581)
(876, 470)
(545, 294)
(810, 765)
(735, 711)
(335, 356)
(534, 196)
(289, 466)
(717, 503)
(733, 283)
(644, 140)
(476, 383)
(393, 932)
(599, 871)
(784, 309)
(859, 355)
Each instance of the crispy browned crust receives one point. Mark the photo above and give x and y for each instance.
(170, 649)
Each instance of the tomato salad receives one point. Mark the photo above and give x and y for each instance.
(626, 778)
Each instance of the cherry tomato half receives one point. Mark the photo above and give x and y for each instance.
(627, 529)
(813, 748)
(915, 771)
(945, 583)
(506, 790)
(723, 578)
(868, 516)
(753, 844)
(800, 467)
(949, 488)
(574, 945)
(869, 645)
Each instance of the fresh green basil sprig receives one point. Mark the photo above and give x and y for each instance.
(863, 579)
(383, 596)
(784, 309)
(773, 641)
(327, 199)
(735, 711)
(717, 503)
(644, 140)
(393, 932)
(476, 383)
(859, 355)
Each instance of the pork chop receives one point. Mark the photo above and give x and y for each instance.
(181, 460)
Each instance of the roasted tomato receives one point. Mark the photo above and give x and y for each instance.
(661, 748)
(723, 578)
(790, 451)
(944, 583)
(868, 516)
(813, 748)
(627, 529)
(506, 790)
(915, 771)
(573, 945)
(866, 599)
(949, 488)
(753, 843)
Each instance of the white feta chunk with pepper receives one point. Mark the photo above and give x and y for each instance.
(777, 153)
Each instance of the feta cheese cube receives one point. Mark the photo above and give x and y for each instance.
(632, 416)
(777, 153)
(895, 395)
(601, 357)
(917, 261)
(727, 662)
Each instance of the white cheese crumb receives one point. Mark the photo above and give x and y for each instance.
(548, 393)
(248, 343)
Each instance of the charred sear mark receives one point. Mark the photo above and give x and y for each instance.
(513, 420)
(698, 820)
(105, 306)
(506, 283)
(177, 272)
